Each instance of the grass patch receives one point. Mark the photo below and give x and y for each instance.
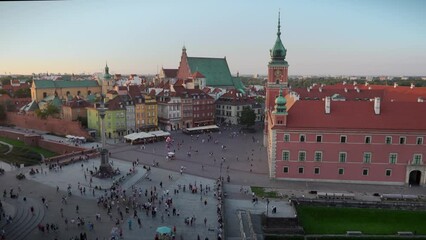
(327, 220)
(260, 192)
(22, 153)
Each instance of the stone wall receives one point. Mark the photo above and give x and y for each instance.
(52, 125)
(37, 140)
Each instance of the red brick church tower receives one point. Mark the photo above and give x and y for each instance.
(277, 78)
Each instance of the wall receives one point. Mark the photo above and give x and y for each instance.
(37, 140)
(52, 125)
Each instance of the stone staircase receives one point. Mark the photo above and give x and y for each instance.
(246, 226)
(23, 221)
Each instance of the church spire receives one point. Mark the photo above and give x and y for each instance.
(279, 25)
(278, 52)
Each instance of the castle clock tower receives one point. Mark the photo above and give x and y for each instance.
(277, 77)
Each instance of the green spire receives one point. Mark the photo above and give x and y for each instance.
(279, 25)
(106, 73)
(280, 104)
(278, 52)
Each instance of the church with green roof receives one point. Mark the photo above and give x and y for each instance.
(215, 71)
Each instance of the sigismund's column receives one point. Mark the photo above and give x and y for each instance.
(105, 169)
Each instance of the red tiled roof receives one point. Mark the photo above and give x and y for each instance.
(206, 90)
(114, 104)
(179, 82)
(386, 93)
(197, 74)
(357, 115)
(170, 73)
(77, 104)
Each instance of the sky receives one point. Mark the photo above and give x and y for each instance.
(327, 37)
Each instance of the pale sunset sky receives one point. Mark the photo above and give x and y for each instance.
(327, 37)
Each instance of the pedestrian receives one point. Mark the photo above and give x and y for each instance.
(130, 224)
(76, 209)
(205, 221)
(139, 223)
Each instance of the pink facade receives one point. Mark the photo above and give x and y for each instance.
(373, 139)
(378, 164)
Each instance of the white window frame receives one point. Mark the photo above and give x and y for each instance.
(285, 137)
(417, 159)
(386, 139)
(288, 152)
(346, 139)
(341, 170)
(369, 138)
(299, 158)
(390, 158)
(367, 159)
(315, 156)
(343, 154)
(365, 169)
(390, 172)
(419, 140)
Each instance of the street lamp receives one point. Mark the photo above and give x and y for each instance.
(221, 164)
(267, 206)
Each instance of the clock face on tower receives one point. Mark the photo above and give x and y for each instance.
(277, 73)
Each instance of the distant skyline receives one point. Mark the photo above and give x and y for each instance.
(328, 37)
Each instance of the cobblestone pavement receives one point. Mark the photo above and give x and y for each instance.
(242, 158)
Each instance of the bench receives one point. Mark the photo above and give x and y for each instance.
(405, 233)
(353, 233)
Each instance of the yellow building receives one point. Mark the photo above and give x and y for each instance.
(145, 109)
(40, 89)
(67, 90)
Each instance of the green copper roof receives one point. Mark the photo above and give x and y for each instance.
(238, 84)
(215, 70)
(278, 52)
(64, 84)
(280, 104)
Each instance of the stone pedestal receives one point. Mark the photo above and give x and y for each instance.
(105, 169)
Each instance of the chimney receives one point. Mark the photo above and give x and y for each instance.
(377, 105)
(420, 99)
(357, 89)
(320, 89)
(346, 90)
(308, 89)
(395, 85)
(327, 105)
(366, 84)
(412, 85)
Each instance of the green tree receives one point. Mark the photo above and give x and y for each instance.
(50, 110)
(247, 117)
(22, 93)
(2, 112)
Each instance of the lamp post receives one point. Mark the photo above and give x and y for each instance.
(267, 206)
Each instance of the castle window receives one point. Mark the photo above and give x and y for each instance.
(388, 140)
(419, 140)
(343, 139)
(365, 172)
(417, 159)
(302, 138)
(342, 157)
(318, 156)
(368, 139)
(367, 157)
(286, 155)
(316, 170)
(301, 170)
(286, 137)
(388, 172)
(402, 140)
(393, 158)
(319, 138)
(285, 169)
(302, 156)
(341, 171)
